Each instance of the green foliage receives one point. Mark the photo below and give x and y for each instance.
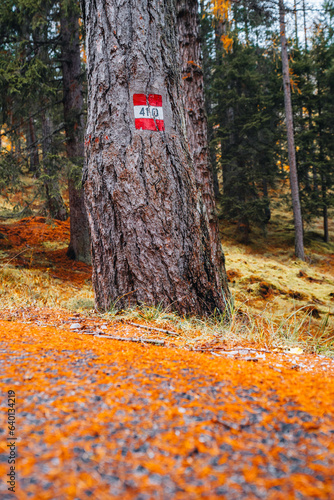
(74, 171)
(314, 118)
(246, 105)
(31, 90)
(9, 170)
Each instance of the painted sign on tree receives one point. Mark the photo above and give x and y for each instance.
(148, 112)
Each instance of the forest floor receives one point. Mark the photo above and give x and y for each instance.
(109, 405)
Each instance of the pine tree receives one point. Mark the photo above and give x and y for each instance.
(323, 71)
(72, 72)
(313, 108)
(297, 214)
(30, 84)
(43, 90)
(150, 237)
(245, 119)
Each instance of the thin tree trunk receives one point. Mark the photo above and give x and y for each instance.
(305, 29)
(297, 214)
(296, 22)
(267, 210)
(214, 174)
(206, 64)
(34, 159)
(325, 208)
(79, 247)
(220, 28)
(323, 181)
(314, 169)
(55, 205)
(150, 236)
(196, 120)
(326, 228)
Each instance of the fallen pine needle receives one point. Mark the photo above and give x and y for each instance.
(153, 328)
(125, 339)
(231, 350)
(242, 359)
(132, 339)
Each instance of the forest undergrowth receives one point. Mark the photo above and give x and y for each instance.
(277, 302)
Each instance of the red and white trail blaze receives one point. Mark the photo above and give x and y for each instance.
(148, 112)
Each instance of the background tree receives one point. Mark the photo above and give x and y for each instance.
(312, 100)
(194, 104)
(297, 213)
(246, 112)
(72, 73)
(42, 80)
(244, 95)
(30, 82)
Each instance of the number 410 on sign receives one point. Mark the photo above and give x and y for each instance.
(148, 111)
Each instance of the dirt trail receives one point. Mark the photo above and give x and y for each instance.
(99, 418)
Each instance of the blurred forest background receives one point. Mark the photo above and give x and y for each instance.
(244, 102)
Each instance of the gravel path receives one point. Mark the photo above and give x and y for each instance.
(98, 418)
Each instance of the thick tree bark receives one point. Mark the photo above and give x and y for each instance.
(297, 214)
(79, 247)
(196, 120)
(150, 236)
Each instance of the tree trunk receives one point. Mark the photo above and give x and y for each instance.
(326, 229)
(79, 247)
(33, 147)
(297, 214)
(196, 121)
(296, 22)
(305, 28)
(150, 236)
(324, 188)
(206, 65)
(325, 212)
(219, 28)
(267, 211)
(55, 205)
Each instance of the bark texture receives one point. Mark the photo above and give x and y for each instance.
(150, 235)
(196, 120)
(297, 213)
(79, 247)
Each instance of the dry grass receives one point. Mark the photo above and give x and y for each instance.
(31, 287)
(277, 300)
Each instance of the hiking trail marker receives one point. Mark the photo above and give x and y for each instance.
(148, 112)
